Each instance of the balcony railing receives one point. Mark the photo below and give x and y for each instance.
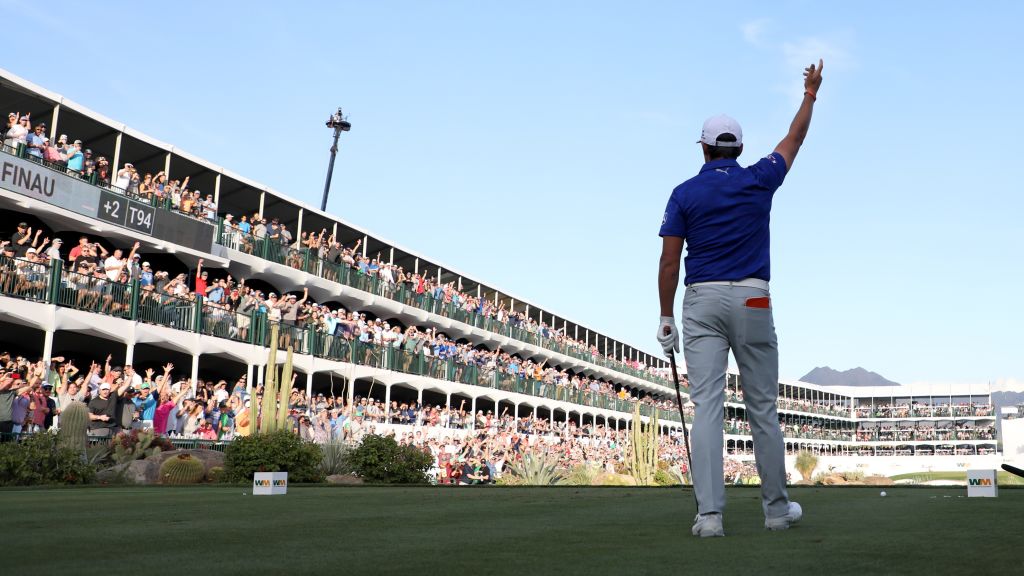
(50, 283)
(308, 260)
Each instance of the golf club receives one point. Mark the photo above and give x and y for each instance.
(1013, 470)
(682, 416)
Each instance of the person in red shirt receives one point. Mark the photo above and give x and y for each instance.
(200, 279)
(77, 250)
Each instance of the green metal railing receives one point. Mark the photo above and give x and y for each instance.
(50, 283)
(308, 261)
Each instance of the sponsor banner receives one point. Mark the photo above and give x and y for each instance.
(32, 180)
(269, 483)
(982, 484)
(50, 186)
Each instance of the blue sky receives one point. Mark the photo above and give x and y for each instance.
(534, 144)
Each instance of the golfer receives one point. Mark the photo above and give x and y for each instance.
(722, 215)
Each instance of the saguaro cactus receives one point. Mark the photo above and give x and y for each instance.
(268, 410)
(284, 392)
(643, 451)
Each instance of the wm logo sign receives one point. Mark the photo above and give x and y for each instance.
(979, 482)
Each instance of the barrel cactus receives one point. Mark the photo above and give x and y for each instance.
(73, 423)
(182, 469)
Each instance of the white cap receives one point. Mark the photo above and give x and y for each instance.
(104, 386)
(715, 126)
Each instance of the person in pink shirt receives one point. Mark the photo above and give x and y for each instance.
(167, 400)
(206, 431)
(39, 408)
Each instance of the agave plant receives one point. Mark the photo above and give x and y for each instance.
(538, 470)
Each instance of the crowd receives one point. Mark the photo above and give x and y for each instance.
(100, 279)
(330, 259)
(33, 394)
(921, 409)
(73, 158)
(907, 433)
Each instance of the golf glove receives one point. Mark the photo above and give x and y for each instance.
(668, 336)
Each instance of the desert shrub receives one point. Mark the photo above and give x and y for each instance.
(382, 460)
(806, 462)
(279, 451)
(215, 475)
(853, 476)
(40, 459)
(581, 475)
(665, 478)
(335, 459)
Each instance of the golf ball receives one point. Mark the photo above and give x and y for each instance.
(883, 493)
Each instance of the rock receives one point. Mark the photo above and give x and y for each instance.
(611, 479)
(878, 481)
(134, 472)
(833, 480)
(209, 458)
(344, 479)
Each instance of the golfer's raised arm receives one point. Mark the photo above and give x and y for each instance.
(790, 145)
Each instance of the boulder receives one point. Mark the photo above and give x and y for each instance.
(344, 479)
(611, 479)
(134, 472)
(209, 458)
(833, 480)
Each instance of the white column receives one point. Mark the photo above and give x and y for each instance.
(309, 387)
(216, 191)
(47, 351)
(117, 155)
(387, 403)
(195, 372)
(53, 127)
(248, 379)
(129, 354)
(263, 197)
(448, 400)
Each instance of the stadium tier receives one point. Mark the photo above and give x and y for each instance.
(120, 244)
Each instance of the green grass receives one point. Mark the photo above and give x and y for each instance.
(493, 530)
(1002, 478)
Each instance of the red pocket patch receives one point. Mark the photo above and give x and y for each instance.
(760, 302)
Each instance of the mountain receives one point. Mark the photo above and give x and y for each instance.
(1005, 398)
(825, 376)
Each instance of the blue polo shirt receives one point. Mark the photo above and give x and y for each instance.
(723, 213)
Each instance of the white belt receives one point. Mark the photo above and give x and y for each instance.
(745, 283)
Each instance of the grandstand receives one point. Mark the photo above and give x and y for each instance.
(210, 260)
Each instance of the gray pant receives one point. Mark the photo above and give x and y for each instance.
(715, 319)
